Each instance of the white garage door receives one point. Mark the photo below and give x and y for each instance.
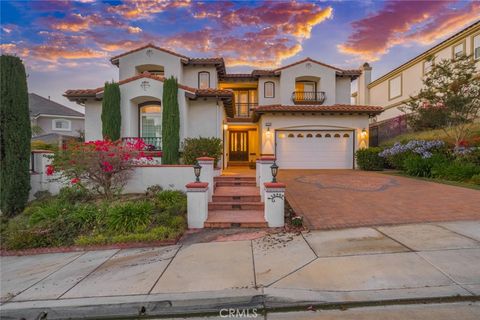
(314, 149)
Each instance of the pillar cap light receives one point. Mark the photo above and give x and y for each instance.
(197, 168)
(274, 168)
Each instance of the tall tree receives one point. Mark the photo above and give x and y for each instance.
(111, 114)
(449, 99)
(170, 122)
(15, 134)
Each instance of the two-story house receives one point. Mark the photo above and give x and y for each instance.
(394, 89)
(299, 113)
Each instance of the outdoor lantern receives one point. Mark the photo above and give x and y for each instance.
(225, 126)
(274, 169)
(268, 133)
(197, 169)
(364, 133)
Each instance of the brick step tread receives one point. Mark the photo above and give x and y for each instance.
(229, 218)
(237, 205)
(234, 178)
(241, 198)
(235, 183)
(237, 191)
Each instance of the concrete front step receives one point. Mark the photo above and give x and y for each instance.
(235, 218)
(235, 205)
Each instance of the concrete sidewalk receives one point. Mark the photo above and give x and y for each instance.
(363, 265)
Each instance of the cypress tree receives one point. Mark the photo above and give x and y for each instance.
(170, 122)
(15, 134)
(111, 115)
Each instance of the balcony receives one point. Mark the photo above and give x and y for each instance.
(152, 143)
(308, 97)
(244, 110)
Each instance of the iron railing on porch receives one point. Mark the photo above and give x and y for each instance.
(244, 110)
(306, 97)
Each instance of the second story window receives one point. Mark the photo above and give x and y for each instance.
(269, 89)
(395, 87)
(458, 50)
(427, 65)
(476, 47)
(204, 80)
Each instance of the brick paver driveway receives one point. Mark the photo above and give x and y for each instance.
(346, 198)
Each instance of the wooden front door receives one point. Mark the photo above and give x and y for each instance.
(238, 146)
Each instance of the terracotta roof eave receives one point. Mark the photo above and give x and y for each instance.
(338, 108)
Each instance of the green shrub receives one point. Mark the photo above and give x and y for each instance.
(456, 171)
(471, 157)
(74, 194)
(415, 165)
(42, 145)
(49, 211)
(201, 147)
(172, 201)
(129, 216)
(155, 234)
(475, 179)
(368, 159)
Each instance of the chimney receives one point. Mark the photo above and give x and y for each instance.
(363, 93)
(48, 97)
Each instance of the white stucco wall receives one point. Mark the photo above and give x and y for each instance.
(342, 90)
(132, 93)
(205, 118)
(327, 81)
(93, 120)
(312, 122)
(190, 75)
(171, 63)
(262, 101)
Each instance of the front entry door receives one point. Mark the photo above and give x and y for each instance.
(238, 146)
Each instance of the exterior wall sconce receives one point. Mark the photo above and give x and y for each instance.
(274, 168)
(197, 169)
(225, 126)
(268, 133)
(364, 133)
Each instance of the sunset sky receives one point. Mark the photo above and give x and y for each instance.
(67, 44)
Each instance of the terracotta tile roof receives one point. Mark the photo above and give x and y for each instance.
(353, 72)
(216, 60)
(92, 92)
(319, 108)
(214, 92)
(114, 60)
(238, 75)
(259, 72)
(250, 119)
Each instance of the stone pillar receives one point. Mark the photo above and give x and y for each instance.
(264, 172)
(197, 204)
(207, 173)
(275, 204)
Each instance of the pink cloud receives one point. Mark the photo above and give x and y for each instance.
(400, 23)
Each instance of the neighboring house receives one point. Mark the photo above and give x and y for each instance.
(52, 121)
(393, 89)
(300, 113)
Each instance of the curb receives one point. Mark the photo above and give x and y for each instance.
(188, 305)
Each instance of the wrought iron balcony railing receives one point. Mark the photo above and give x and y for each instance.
(307, 97)
(152, 143)
(244, 110)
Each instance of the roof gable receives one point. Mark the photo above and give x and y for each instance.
(115, 60)
(39, 105)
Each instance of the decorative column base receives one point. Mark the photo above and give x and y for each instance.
(274, 195)
(197, 204)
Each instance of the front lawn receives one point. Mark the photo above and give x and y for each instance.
(77, 217)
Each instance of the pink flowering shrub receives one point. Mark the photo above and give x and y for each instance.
(102, 166)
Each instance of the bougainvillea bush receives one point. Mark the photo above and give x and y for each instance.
(102, 166)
